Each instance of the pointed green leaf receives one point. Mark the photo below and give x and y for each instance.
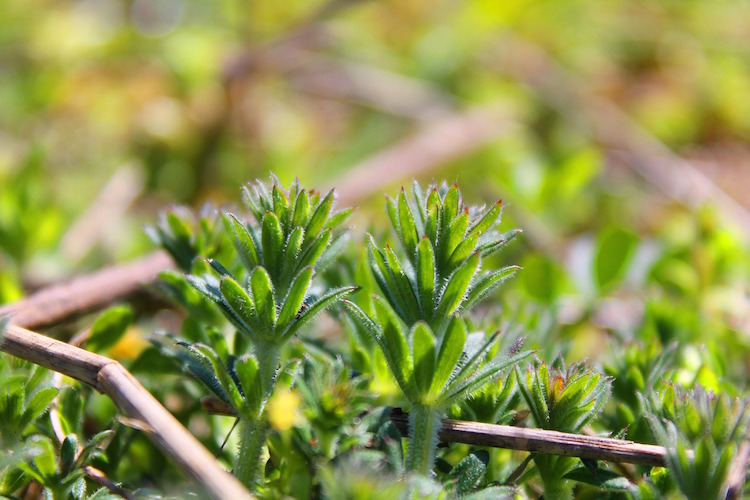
(533, 394)
(44, 459)
(293, 191)
(433, 200)
(456, 288)
(265, 304)
(409, 236)
(180, 229)
(301, 210)
(324, 302)
(226, 381)
(212, 292)
(294, 299)
(432, 225)
(488, 219)
(311, 256)
(383, 276)
(38, 405)
(218, 267)
(200, 366)
(68, 453)
(451, 348)
(250, 198)
(404, 289)
(319, 217)
(247, 372)
(241, 305)
(461, 389)
(392, 209)
(423, 354)
(264, 197)
(487, 283)
(453, 236)
(494, 246)
(291, 254)
(419, 200)
(242, 241)
(280, 204)
(426, 278)
(338, 218)
(451, 204)
(272, 237)
(394, 339)
(475, 351)
(462, 251)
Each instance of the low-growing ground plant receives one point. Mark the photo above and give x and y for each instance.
(415, 323)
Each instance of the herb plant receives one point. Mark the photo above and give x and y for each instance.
(417, 325)
(267, 299)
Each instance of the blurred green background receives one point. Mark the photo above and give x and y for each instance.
(616, 132)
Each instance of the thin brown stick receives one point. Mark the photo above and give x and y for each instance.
(58, 303)
(434, 145)
(111, 378)
(519, 438)
(543, 441)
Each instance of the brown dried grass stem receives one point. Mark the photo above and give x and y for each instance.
(543, 441)
(58, 303)
(111, 378)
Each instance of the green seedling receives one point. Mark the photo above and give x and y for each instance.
(425, 344)
(562, 399)
(268, 299)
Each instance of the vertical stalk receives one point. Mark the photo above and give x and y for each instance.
(267, 355)
(551, 471)
(249, 466)
(424, 424)
(253, 432)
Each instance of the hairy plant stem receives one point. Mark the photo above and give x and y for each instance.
(267, 354)
(253, 432)
(249, 466)
(424, 424)
(551, 470)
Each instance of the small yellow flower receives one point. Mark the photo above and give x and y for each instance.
(283, 409)
(129, 346)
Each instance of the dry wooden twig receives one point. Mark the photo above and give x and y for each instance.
(111, 378)
(433, 146)
(58, 303)
(543, 441)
